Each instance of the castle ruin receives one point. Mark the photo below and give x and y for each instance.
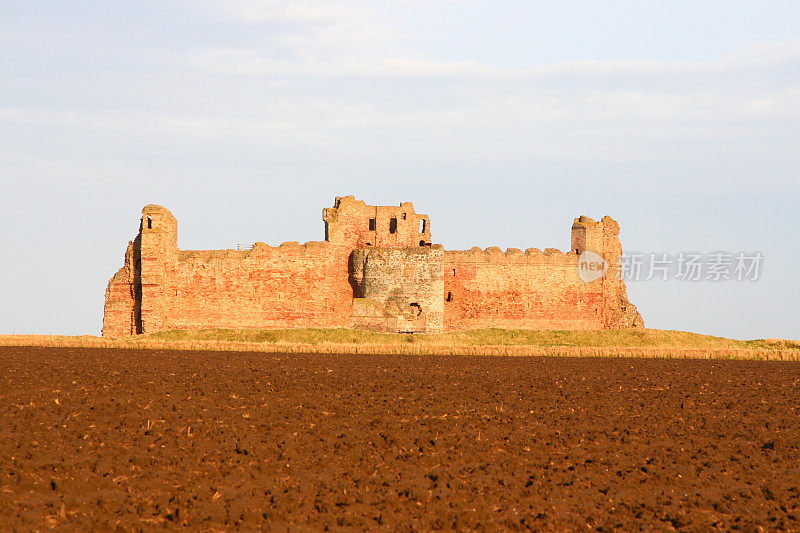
(377, 269)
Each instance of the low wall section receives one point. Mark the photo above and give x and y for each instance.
(267, 286)
(515, 289)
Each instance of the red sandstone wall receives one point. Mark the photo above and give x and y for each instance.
(516, 290)
(285, 286)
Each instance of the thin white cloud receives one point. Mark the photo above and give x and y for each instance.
(256, 63)
(769, 51)
(299, 11)
(311, 27)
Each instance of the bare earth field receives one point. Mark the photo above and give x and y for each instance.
(140, 439)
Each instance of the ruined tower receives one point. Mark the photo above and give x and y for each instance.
(137, 297)
(602, 238)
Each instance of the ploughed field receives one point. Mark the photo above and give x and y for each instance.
(98, 438)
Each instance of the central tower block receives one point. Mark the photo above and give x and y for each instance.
(354, 224)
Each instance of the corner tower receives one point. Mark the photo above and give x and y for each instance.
(137, 297)
(157, 261)
(603, 238)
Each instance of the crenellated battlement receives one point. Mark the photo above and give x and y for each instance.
(493, 254)
(259, 250)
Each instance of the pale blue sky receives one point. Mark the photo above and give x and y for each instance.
(501, 120)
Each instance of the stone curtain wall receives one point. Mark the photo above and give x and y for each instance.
(376, 269)
(539, 289)
(518, 290)
(283, 286)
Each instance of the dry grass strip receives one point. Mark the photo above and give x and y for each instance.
(776, 350)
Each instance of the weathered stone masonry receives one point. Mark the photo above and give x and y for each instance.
(376, 269)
